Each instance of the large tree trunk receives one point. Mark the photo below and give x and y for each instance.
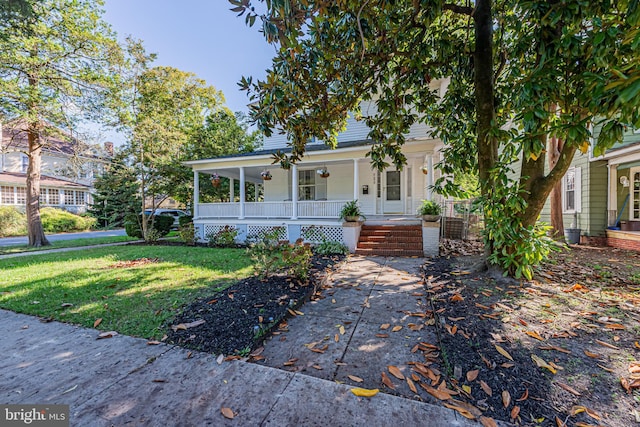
(485, 102)
(557, 224)
(34, 223)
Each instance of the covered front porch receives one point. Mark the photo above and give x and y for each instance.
(318, 186)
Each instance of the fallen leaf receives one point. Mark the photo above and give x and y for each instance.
(456, 297)
(568, 388)
(395, 372)
(524, 396)
(506, 398)
(382, 335)
(503, 352)
(592, 355)
(97, 322)
(336, 338)
(535, 335)
(488, 422)
(412, 386)
(606, 344)
(396, 328)
(472, 375)
(486, 388)
(467, 389)
(109, 334)
(386, 381)
(153, 342)
(220, 359)
(515, 412)
(291, 362)
(227, 413)
(542, 364)
(385, 326)
(354, 378)
(615, 326)
(438, 394)
(341, 329)
(364, 392)
(185, 326)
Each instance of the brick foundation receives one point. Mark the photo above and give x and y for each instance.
(594, 240)
(632, 245)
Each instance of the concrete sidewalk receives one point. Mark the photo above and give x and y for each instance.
(125, 381)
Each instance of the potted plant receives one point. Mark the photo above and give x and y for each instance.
(424, 169)
(323, 172)
(430, 211)
(266, 175)
(351, 212)
(215, 179)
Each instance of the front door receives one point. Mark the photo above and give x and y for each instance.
(392, 199)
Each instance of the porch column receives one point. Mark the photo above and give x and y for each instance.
(430, 177)
(256, 188)
(241, 193)
(232, 189)
(196, 193)
(356, 179)
(294, 191)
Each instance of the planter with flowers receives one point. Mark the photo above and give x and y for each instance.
(266, 175)
(215, 179)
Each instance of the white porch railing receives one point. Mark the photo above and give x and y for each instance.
(306, 209)
(230, 210)
(268, 209)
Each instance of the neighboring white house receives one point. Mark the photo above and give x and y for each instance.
(301, 198)
(68, 169)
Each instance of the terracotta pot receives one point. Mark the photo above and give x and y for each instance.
(215, 182)
(266, 178)
(325, 175)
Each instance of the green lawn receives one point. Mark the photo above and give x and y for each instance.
(133, 299)
(74, 243)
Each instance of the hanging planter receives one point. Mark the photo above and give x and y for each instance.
(323, 172)
(266, 175)
(424, 169)
(215, 179)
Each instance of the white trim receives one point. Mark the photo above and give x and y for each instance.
(577, 191)
(632, 171)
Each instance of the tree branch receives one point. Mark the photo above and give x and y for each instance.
(463, 10)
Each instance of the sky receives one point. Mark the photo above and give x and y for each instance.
(200, 36)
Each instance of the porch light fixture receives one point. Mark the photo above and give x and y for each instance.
(624, 181)
(323, 172)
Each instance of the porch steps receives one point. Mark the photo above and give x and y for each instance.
(390, 240)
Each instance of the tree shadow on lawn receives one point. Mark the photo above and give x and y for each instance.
(534, 353)
(132, 295)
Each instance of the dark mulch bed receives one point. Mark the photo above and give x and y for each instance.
(580, 316)
(239, 318)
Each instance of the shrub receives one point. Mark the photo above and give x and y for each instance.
(271, 256)
(328, 247)
(187, 233)
(185, 220)
(160, 224)
(12, 222)
(58, 221)
(351, 210)
(224, 238)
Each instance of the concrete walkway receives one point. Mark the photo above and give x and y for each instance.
(124, 381)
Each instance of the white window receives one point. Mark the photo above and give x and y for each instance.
(311, 186)
(54, 196)
(6, 195)
(21, 195)
(25, 163)
(571, 187)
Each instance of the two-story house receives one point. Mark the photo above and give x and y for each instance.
(68, 168)
(311, 193)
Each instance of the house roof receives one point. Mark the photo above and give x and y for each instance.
(14, 136)
(309, 148)
(12, 178)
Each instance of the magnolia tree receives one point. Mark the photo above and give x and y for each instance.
(521, 73)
